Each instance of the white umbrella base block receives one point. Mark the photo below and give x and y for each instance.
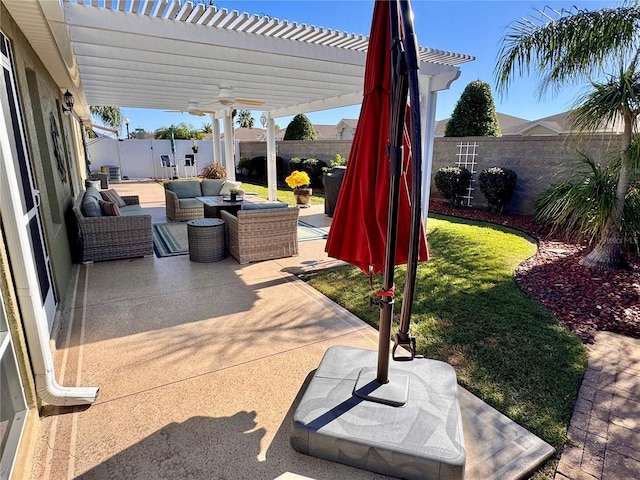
(421, 439)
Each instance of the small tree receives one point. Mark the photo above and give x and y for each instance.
(300, 128)
(475, 113)
(497, 184)
(453, 182)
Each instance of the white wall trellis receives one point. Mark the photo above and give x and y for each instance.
(466, 157)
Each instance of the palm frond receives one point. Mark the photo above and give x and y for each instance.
(563, 45)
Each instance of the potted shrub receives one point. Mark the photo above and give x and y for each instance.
(299, 182)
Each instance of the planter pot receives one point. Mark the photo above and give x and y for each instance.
(332, 182)
(303, 197)
(234, 196)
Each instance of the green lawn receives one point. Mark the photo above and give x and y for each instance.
(469, 312)
(283, 195)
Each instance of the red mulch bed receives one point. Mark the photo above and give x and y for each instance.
(585, 300)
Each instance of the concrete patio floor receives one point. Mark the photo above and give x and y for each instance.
(200, 367)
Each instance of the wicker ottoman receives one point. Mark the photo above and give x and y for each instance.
(206, 239)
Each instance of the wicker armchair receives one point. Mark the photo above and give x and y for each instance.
(111, 238)
(255, 235)
(181, 214)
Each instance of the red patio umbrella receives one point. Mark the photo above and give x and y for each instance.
(371, 226)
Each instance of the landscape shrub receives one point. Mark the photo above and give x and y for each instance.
(579, 209)
(313, 167)
(497, 184)
(245, 165)
(213, 170)
(258, 167)
(452, 182)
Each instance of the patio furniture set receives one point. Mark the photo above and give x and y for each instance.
(249, 229)
(255, 229)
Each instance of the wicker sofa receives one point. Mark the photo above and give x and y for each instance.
(263, 234)
(113, 237)
(180, 196)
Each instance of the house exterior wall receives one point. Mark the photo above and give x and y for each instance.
(539, 130)
(39, 98)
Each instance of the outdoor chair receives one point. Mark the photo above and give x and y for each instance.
(190, 165)
(265, 234)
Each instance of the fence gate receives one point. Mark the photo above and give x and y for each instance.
(467, 159)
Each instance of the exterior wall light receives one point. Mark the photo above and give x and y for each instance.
(67, 108)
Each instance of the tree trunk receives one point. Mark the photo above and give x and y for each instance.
(607, 255)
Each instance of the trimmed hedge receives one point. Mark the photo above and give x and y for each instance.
(313, 166)
(497, 184)
(452, 182)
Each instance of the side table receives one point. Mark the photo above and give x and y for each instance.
(206, 239)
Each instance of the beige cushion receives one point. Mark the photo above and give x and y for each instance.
(113, 197)
(228, 185)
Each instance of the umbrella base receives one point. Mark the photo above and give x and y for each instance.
(421, 439)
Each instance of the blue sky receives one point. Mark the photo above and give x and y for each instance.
(470, 27)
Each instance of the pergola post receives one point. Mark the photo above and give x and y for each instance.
(217, 150)
(272, 174)
(229, 161)
(428, 119)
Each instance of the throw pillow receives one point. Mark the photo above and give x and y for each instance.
(228, 185)
(112, 196)
(91, 207)
(109, 209)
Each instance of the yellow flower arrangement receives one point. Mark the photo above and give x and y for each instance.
(297, 179)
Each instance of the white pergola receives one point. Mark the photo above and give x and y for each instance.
(174, 55)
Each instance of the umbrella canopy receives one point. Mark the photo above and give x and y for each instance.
(173, 141)
(358, 232)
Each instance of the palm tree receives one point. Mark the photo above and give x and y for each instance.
(245, 119)
(112, 116)
(570, 46)
(206, 128)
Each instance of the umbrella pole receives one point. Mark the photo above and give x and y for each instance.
(387, 301)
(403, 338)
(399, 89)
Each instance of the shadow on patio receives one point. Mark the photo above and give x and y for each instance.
(200, 367)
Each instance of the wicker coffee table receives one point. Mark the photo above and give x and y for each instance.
(206, 239)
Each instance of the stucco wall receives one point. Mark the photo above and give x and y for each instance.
(40, 97)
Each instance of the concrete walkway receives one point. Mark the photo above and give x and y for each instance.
(201, 365)
(604, 435)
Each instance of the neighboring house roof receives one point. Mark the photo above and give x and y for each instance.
(507, 122)
(326, 132)
(559, 124)
(351, 122)
(245, 134)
